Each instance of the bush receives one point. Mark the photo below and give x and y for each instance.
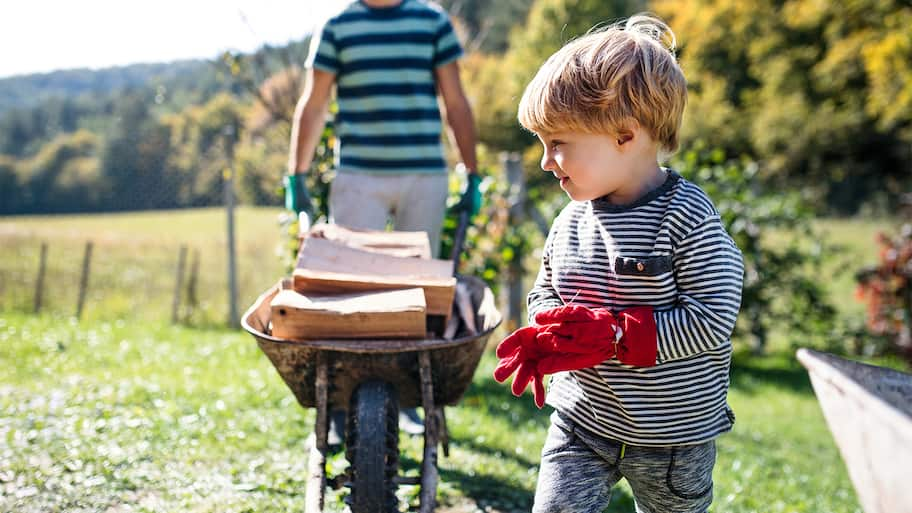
(782, 285)
(887, 290)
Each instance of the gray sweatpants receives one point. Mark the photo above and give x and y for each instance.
(578, 470)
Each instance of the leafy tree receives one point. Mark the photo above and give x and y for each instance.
(133, 160)
(486, 25)
(63, 176)
(816, 91)
(10, 193)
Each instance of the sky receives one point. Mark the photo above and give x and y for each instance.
(38, 36)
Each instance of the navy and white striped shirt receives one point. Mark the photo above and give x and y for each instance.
(670, 251)
(384, 61)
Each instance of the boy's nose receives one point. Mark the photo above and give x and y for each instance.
(547, 163)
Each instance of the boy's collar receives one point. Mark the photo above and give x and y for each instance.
(672, 177)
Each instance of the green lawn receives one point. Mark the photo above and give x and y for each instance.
(143, 417)
(134, 261)
(120, 412)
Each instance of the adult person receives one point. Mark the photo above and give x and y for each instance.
(388, 61)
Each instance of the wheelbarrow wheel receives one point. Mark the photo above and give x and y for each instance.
(373, 448)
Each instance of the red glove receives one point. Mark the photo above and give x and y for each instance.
(639, 345)
(520, 352)
(595, 333)
(577, 329)
(575, 337)
(581, 337)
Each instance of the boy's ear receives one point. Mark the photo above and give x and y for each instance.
(624, 136)
(627, 133)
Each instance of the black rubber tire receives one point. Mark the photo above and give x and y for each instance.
(373, 448)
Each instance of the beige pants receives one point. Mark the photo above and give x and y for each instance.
(413, 202)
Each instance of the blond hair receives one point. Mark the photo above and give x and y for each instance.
(601, 81)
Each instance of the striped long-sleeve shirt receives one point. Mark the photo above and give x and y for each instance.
(670, 251)
(384, 61)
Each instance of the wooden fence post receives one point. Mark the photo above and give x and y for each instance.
(192, 280)
(39, 281)
(178, 284)
(512, 164)
(84, 279)
(230, 134)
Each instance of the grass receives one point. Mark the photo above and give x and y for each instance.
(134, 261)
(142, 417)
(120, 412)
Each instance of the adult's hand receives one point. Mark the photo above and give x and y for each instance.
(470, 200)
(297, 197)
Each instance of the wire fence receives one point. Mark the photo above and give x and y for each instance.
(170, 266)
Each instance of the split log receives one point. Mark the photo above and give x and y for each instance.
(383, 314)
(327, 266)
(395, 243)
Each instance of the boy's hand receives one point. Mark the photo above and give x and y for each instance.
(639, 345)
(596, 332)
(520, 352)
(578, 329)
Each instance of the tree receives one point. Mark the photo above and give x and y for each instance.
(134, 157)
(818, 92)
(486, 25)
(10, 192)
(62, 176)
(199, 136)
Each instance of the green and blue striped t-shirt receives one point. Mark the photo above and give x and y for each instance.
(384, 61)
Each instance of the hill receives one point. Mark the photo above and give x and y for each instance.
(26, 91)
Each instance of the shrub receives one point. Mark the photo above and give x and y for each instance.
(782, 285)
(886, 288)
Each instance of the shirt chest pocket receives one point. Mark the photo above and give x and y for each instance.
(649, 278)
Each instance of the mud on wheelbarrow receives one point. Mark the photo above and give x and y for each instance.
(375, 378)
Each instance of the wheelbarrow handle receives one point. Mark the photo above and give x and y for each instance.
(459, 239)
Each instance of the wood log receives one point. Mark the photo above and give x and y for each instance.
(395, 243)
(327, 266)
(383, 314)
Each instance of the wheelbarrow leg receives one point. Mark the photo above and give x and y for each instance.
(444, 432)
(429, 476)
(316, 463)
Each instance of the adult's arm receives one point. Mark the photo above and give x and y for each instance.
(458, 112)
(309, 118)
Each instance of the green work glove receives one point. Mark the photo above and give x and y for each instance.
(470, 200)
(297, 199)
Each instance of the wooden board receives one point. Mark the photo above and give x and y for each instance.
(869, 413)
(395, 243)
(384, 314)
(327, 266)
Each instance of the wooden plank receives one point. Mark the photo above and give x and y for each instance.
(383, 314)
(395, 243)
(868, 412)
(326, 255)
(328, 266)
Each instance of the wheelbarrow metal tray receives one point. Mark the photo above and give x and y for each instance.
(869, 411)
(395, 361)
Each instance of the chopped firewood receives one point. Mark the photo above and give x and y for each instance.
(327, 266)
(396, 243)
(382, 314)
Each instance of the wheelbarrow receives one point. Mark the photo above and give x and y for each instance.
(869, 412)
(375, 378)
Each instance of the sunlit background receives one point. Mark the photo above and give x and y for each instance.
(142, 149)
(47, 35)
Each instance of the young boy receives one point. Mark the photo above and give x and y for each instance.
(639, 285)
